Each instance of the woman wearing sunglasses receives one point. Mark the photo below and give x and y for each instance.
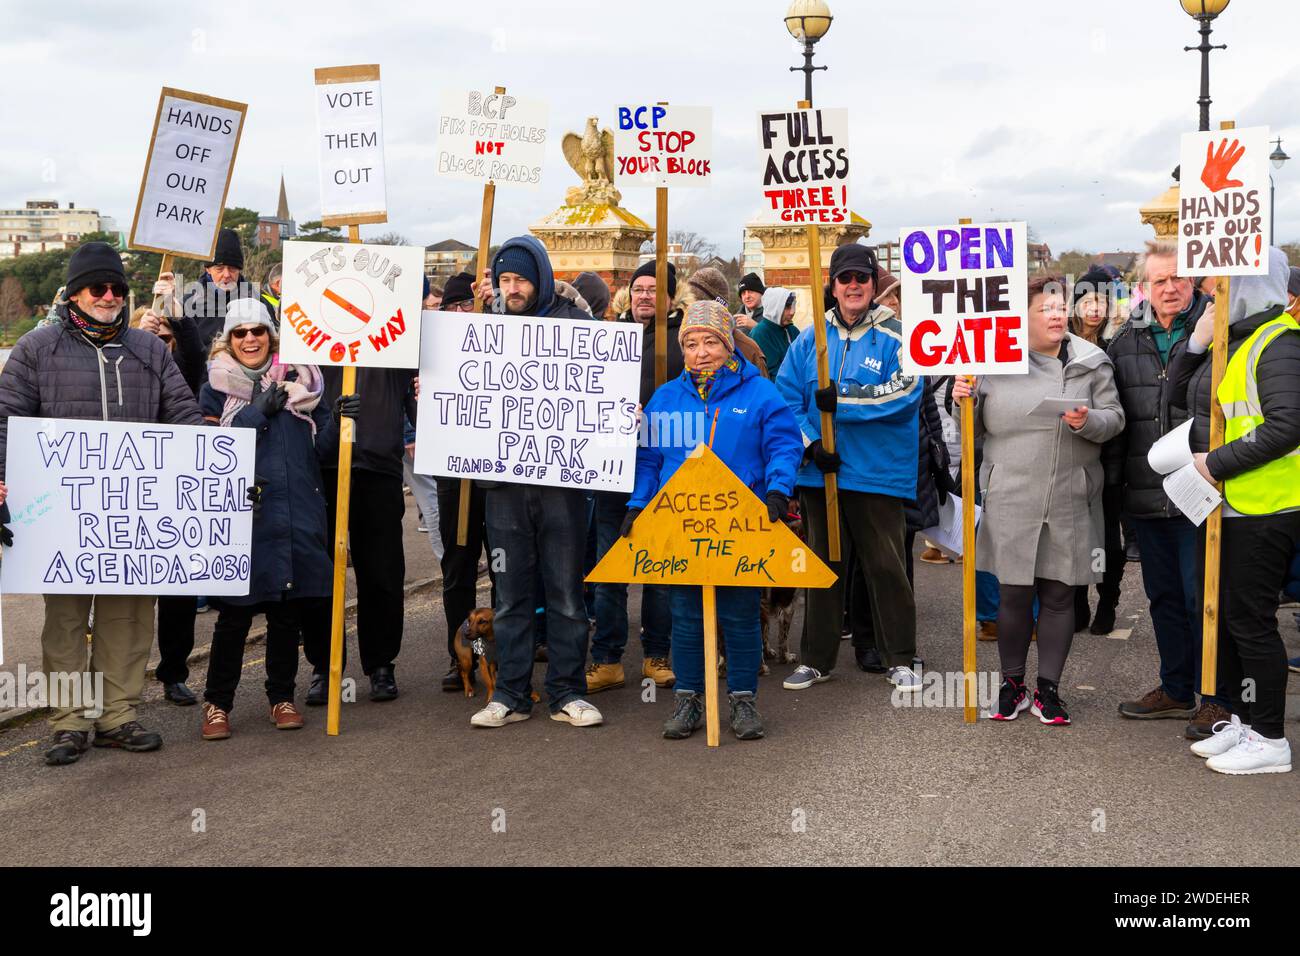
(247, 387)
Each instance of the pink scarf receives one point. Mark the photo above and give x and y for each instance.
(227, 376)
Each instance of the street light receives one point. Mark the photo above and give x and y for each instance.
(808, 21)
(1204, 11)
(1277, 157)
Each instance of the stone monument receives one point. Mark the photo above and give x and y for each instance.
(785, 257)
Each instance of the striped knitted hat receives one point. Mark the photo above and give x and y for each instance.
(710, 316)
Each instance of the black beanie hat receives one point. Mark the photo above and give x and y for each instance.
(228, 252)
(752, 283)
(648, 269)
(594, 289)
(854, 257)
(459, 288)
(1097, 280)
(93, 262)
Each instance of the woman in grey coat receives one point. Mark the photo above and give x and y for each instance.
(1041, 533)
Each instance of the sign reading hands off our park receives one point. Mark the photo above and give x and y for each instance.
(122, 508)
(1224, 215)
(705, 527)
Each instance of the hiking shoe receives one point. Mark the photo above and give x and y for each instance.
(933, 555)
(657, 669)
(285, 716)
(1157, 705)
(1226, 735)
(745, 722)
(1202, 724)
(131, 737)
(804, 677)
(988, 631)
(497, 714)
(688, 712)
(869, 660)
(216, 723)
(604, 677)
(1254, 754)
(1013, 697)
(579, 713)
(68, 747)
(451, 682)
(1047, 706)
(904, 679)
(1103, 620)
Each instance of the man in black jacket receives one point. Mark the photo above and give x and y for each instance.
(221, 283)
(1155, 334)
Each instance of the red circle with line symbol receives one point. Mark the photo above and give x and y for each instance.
(346, 306)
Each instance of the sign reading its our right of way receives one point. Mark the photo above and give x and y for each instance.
(1224, 216)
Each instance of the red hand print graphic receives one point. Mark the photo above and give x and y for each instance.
(1218, 165)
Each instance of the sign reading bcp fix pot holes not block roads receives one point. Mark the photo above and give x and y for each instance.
(484, 136)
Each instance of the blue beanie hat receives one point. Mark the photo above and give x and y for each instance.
(516, 259)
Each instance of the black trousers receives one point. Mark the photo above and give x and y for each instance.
(226, 665)
(858, 597)
(176, 613)
(379, 563)
(1108, 589)
(460, 564)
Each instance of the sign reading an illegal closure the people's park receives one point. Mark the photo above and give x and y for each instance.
(543, 401)
(967, 308)
(121, 508)
(804, 156)
(661, 145)
(187, 174)
(1224, 216)
(351, 304)
(350, 127)
(705, 527)
(484, 136)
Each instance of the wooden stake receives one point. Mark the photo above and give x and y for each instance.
(713, 734)
(969, 625)
(163, 267)
(342, 510)
(661, 286)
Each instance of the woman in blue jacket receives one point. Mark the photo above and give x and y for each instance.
(742, 417)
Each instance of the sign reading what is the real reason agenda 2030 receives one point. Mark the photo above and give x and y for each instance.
(126, 508)
(544, 401)
(187, 174)
(1224, 214)
(804, 157)
(350, 126)
(967, 301)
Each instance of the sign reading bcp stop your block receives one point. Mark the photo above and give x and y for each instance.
(661, 145)
(351, 304)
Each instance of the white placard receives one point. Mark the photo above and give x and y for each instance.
(660, 145)
(351, 304)
(1191, 494)
(128, 508)
(350, 133)
(543, 401)
(187, 174)
(967, 304)
(485, 136)
(1224, 215)
(948, 533)
(804, 158)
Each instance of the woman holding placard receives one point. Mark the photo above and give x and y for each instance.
(1041, 530)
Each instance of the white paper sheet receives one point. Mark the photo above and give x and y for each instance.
(1172, 451)
(1193, 495)
(1056, 407)
(947, 534)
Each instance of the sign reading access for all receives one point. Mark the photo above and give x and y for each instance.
(544, 401)
(967, 302)
(122, 508)
(187, 174)
(485, 137)
(805, 160)
(351, 304)
(350, 124)
(1224, 218)
(660, 145)
(705, 527)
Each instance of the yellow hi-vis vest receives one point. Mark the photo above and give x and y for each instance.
(1274, 486)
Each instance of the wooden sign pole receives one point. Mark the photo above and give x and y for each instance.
(661, 283)
(968, 549)
(712, 729)
(164, 267)
(342, 509)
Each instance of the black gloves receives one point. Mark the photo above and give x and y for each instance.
(778, 506)
(348, 406)
(627, 522)
(6, 536)
(254, 496)
(270, 401)
(826, 461)
(827, 398)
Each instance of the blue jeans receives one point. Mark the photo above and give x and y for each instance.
(541, 531)
(987, 596)
(739, 629)
(1172, 583)
(611, 599)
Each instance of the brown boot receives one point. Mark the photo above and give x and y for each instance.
(988, 631)
(285, 716)
(933, 555)
(657, 669)
(604, 677)
(1157, 705)
(1201, 726)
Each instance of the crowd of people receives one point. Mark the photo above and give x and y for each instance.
(1059, 495)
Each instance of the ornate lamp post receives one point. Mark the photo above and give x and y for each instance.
(1277, 157)
(808, 21)
(1204, 12)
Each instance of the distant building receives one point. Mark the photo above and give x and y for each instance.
(1123, 261)
(684, 262)
(273, 230)
(1039, 256)
(751, 254)
(887, 257)
(442, 260)
(41, 226)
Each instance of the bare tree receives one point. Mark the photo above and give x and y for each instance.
(13, 307)
(389, 239)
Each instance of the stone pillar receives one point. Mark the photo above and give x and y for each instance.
(785, 257)
(593, 237)
(1161, 214)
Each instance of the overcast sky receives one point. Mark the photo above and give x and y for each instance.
(1067, 115)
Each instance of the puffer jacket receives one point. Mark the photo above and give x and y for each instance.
(206, 306)
(932, 477)
(54, 372)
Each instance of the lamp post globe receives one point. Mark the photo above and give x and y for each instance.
(808, 21)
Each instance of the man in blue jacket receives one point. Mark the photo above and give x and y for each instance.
(875, 413)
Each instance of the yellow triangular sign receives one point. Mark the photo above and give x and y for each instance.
(706, 527)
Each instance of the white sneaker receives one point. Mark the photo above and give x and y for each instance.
(1227, 734)
(1254, 754)
(904, 678)
(497, 714)
(579, 713)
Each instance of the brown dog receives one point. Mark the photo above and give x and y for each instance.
(477, 637)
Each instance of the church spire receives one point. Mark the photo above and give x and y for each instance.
(282, 210)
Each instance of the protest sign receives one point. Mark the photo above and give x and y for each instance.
(967, 302)
(350, 127)
(187, 174)
(1224, 215)
(544, 401)
(660, 145)
(804, 155)
(125, 508)
(351, 304)
(491, 137)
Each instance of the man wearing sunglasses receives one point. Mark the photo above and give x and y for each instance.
(90, 365)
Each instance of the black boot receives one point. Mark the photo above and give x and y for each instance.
(383, 685)
(1103, 622)
(451, 680)
(318, 692)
